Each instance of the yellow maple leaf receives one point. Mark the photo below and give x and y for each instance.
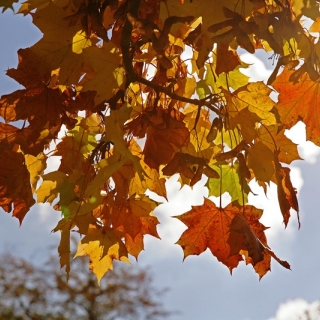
(36, 166)
(102, 246)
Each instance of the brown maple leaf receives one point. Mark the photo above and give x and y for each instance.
(182, 162)
(41, 103)
(133, 213)
(15, 188)
(287, 194)
(161, 142)
(227, 60)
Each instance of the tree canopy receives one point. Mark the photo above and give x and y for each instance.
(30, 291)
(148, 89)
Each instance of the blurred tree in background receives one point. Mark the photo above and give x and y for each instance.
(30, 291)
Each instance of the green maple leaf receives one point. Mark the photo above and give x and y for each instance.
(230, 182)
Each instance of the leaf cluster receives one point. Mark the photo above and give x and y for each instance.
(150, 89)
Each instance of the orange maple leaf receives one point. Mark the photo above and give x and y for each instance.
(208, 227)
(133, 213)
(299, 101)
(133, 217)
(229, 233)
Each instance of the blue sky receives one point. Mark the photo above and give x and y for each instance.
(200, 287)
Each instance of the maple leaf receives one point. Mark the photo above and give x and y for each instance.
(229, 233)
(149, 113)
(182, 163)
(11, 135)
(202, 133)
(203, 40)
(103, 246)
(148, 226)
(68, 52)
(286, 192)
(74, 147)
(35, 166)
(132, 216)
(260, 160)
(15, 188)
(298, 101)
(275, 139)
(64, 246)
(242, 237)
(97, 66)
(79, 218)
(134, 246)
(45, 108)
(133, 213)
(48, 190)
(57, 52)
(7, 4)
(309, 9)
(230, 181)
(234, 79)
(115, 132)
(227, 60)
(152, 182)
(122, 179)
(247, 235)
(255, 97)
(208, 227)
(160, 142)
(152, 179)
(245, 121)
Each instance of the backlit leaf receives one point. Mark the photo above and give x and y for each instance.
(260, 160)
(299, 101)
(230, 181)
(102, 246)
(15, 188)
(35, 166)
(127, 94)
(208, 227)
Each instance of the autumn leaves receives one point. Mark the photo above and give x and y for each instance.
(150, 111)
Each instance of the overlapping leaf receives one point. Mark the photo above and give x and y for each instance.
(150, 109)
(228, 233)
(298, 100)
(230, 181)
(15, 188)
(102, 246)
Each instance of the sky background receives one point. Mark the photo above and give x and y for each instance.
(200, 287)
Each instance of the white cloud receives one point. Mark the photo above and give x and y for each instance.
(298, 309)
(257, 70)
(307, 149)
(53, 162)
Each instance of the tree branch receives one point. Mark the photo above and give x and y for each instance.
(131, 74)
